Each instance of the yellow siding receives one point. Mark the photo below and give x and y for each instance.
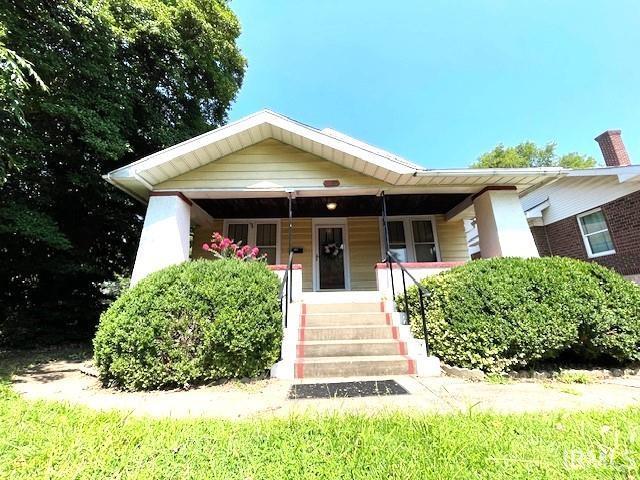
(364, 251)
(201, 235)
(270, 161)
(364, 246)
(452, 240)
(301, 237)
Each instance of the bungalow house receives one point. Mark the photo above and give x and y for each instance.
(591, 214)
(326, 209)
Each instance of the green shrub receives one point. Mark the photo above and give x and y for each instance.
(189, 324)
(504, 313)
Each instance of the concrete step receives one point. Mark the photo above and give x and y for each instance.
(323, 367)
(350, 348)
(350, 332)
(341, 307)
(337, 319)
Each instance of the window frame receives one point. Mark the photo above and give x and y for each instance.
(585, 236)
(252, 234)
(408, 235)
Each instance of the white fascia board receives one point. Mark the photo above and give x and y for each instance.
(487, 172)
(254, 120)
(317, 136)
(628, 170)
(536, 211)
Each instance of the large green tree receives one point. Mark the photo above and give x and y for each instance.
(124, 78)
(528, 154)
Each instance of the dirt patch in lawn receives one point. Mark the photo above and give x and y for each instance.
(58, 377)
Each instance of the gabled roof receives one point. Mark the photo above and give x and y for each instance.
(143, 176)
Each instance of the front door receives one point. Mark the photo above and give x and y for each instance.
(330, 257)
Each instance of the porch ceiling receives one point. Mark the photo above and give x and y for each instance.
(347, 206)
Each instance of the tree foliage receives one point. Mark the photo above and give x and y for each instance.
(528, 154)
(125, 78)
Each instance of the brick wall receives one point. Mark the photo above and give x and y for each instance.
(542, 243)
(623, 218)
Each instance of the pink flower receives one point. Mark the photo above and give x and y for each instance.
(225, 243)
(239, 254)
(255, 251)
(205, 246)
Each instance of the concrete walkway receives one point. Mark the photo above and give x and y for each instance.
(62, 381)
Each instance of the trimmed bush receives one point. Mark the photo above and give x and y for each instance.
(504, 313)
(191, 323)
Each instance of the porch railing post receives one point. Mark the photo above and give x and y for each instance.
(424, 321)
(406, 300)
(290, 280)
(386, 242)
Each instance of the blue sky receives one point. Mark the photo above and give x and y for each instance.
(440, 82)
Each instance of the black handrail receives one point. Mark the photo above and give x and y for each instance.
(286, 289)
(422, 294)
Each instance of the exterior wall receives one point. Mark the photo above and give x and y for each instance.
(164, 239)
(573, 195)
(301, 237)
(269, 163)
(503, 230)
(542, 242)
(364, 251)
(452, 240)
(623, 220)
(418, 270)
(202, 235)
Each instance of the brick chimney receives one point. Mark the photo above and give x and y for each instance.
(613, 151)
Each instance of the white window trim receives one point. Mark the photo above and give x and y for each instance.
(408, 234)
(252, 230)
(585, 235)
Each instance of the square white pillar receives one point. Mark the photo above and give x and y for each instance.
(164, 239)
(503, 230)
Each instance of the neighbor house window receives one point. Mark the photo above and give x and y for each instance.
(257, 233)
(595, 233)
(412, 239)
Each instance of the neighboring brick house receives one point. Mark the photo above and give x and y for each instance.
(591, 214)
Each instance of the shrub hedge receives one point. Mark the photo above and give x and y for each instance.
(191, 323)
(504, 313)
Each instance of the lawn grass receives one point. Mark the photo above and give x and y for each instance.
(55, 440)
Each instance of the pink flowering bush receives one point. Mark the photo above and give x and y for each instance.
(223, 247)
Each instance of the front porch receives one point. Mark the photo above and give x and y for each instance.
(339, 241)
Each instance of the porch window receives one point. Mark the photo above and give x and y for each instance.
(267, 240)
(239, 232)
(263, 234)
(413, 239)
(397, 242)
(424, 242)
(595, 233)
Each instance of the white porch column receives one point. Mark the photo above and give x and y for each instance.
(503, 230)
(165, 235)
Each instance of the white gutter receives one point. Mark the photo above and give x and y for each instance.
(465, 172)
(137, 176)
(108, 178)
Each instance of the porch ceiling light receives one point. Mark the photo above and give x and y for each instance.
(331, 205)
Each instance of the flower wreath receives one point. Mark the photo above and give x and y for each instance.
(332, 249)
